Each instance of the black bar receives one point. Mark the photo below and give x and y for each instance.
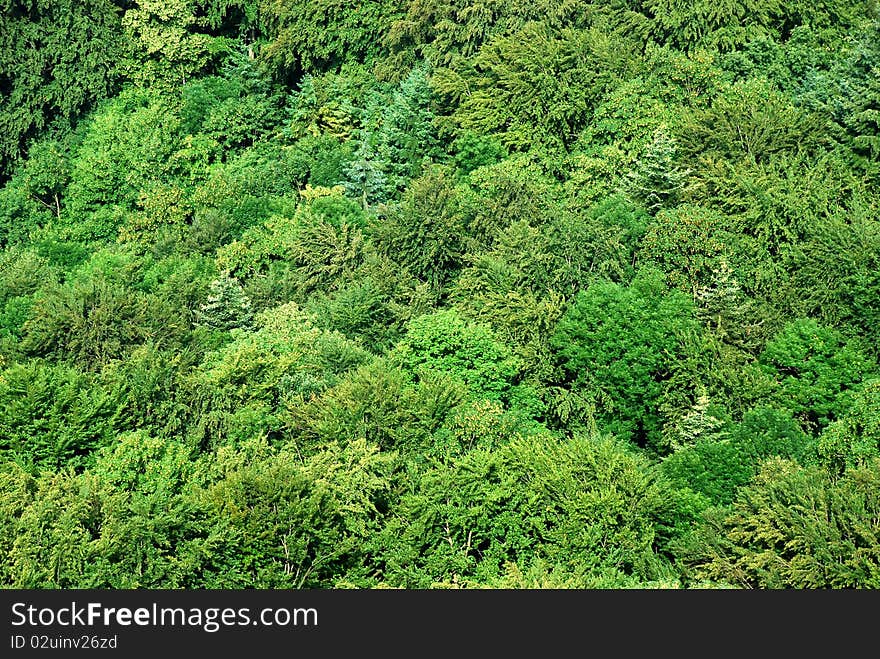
(474, 621)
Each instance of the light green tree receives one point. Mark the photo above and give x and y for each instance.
(227, 306)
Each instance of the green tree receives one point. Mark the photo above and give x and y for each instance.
(242, 388)
(427, 231)
(729, 455)
(657, 180)
(227, 306)
(365, 177)
(444, 342)
(854, 439)
(795, 527)
(835, 269)
(171, 41)
(537, 86)
(52, 416)
(122, 524)
(57, 59)
(235, 109)
(292, 256)
(817, 370)
(725, 309)
(145, 535)
(52, 536)
(378, 402)
(362, 311)
(730, 24)
(688, 242)
(619, 343)
(446, 30)
(126, 147)
(91, 321)
(857, 102)
(724, 25)
(406, 135)
(472, 150)
(587, 506)
(730, 129)
(274, 520)
(313, 36)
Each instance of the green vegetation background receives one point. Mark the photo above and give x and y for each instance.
(435, 293)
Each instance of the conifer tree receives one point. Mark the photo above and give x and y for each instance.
(407, 134)
(227, 306)
(698, 424)
(725, 309)
(859, 94)
(365, 179)
(656, 181)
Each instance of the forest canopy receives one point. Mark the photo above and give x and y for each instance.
(439, 294)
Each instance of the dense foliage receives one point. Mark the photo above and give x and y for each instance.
(439, 294)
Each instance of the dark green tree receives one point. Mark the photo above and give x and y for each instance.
(618, 343)
(427, 231)
(857, 103)
(57, 59)
(817, 371)
(306, 36)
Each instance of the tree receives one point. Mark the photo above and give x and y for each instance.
(92, 320)
(853, 440)
(446, 30)
(817, 370)
(730, 24)
(427, 231)
(857, 103)
(836, 269)
(586, 506)
(365, 178)
(444, 342)
(795, 527)
(52, 536)
(145, 530)
(726, 456)
(730, 129)
(380, 403)
(625, 368)
(227, 306)
(168, 47)
(537, 86)
(361, 310)
(52, 416)
(723, 25)
(235, 109)
(122, 524)
(657, 179)
(406, 136)
(57, 59)
(274, 520)
(290, 257)
(125, 148)
(306, 36)
(243, 388)
(688, 242)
